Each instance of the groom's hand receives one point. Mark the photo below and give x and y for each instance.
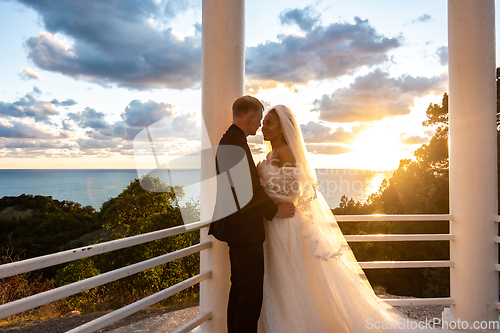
(285, 210)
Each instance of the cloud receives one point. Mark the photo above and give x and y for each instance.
(29, 106)
(29, 74)
(172, 8)
(442, 53)
(422, 18)
(137, 116)
(89, 118)
(256, 148)
(67, 103)
(97, 144)
(22, 130)
(114, 43)
(318, 133)
(38, 144)
(257, 139)
(414, 139)
(324, 52)
(160, 116)
(117, 130)
(376, 96)
(305, 18)
(143, 114)
(327, 149)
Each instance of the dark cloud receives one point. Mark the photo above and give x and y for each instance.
(143, 114)
(163, 123)
(422, 18)
(21, 130)
(29, 106)
(29, 74)
(375, 96)
(89, 118)
(327, 149)
(126, 133)
(318, 133)
(305, 18)
(115, 42)
(442, 53)
(324, 52)
(67, 103)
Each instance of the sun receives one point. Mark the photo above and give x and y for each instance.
(378, 148)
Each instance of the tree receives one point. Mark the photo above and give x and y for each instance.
(136, 211)
(418, 186)
(43, 226)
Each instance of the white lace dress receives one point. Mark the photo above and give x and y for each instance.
(307, 289)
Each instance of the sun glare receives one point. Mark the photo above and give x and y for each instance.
(378, 148)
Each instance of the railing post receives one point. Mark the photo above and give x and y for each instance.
(473, 159)
(222, 82)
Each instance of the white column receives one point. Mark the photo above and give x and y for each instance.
(473, 159)
(222, 82)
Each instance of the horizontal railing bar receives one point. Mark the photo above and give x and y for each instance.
(186, 328)
(406, 264)
(497, 306)
(45, 297)
(497, 267)
(394, 217)
(32, 264)
(126, 311)
(398, 238)
(497, 239)
(497, 218)
(418, 301)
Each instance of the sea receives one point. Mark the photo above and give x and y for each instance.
(93, 187)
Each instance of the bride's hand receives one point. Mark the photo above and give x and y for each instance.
(285, 210)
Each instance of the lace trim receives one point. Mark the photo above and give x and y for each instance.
(309, 194)
(283, 182)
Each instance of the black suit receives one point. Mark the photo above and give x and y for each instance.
(244, 233)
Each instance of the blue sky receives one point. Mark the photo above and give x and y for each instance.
(79, 79)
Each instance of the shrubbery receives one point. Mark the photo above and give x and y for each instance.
(52, 224)
(418, 186)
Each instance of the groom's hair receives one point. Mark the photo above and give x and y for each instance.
(245, 104)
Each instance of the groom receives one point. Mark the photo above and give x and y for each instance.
(244, 230)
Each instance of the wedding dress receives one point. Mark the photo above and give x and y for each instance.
(312, 281)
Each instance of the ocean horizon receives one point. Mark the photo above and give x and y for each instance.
(92, 187)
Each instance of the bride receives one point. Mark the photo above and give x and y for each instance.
(312, 281)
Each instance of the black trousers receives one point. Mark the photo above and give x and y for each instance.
(245, 297)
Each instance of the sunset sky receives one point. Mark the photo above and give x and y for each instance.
(79, 79)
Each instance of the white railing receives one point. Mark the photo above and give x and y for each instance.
(403, 238)
(28, 265)
(34, 301)
(32, 264)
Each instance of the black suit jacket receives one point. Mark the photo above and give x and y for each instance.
(246, 225)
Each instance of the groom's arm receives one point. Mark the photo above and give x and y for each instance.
(260, 200)
(264, 203)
